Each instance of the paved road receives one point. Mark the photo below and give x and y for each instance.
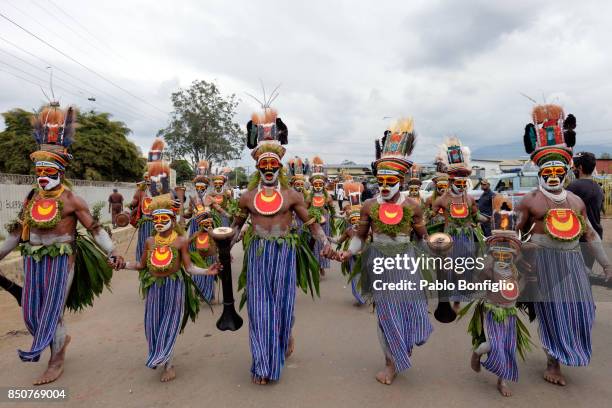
(334, 364)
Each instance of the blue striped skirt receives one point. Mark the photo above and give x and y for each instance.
(501, 359)
(354, 281)
(43, 300)
(164, 308)
(205, 283)
(318, 247)
(403, 317)
(271, 280)
(566, 315)
(145, 230)
(463, 247)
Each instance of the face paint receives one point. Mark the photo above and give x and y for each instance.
(218, 184)
(47, 177)
(201, 189)
(206, 223)
(459, 185)
(388, 185)
(318, 185)
(354, 220)
(441, 187)
(413, 191)
(269, 169)
(162, 222)
(298, 186)
(551, 177)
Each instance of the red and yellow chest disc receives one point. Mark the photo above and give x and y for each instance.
(146, 203)
(459, 210)
(510, 289)
(202, 241)
(161, 256)
(44, 210)
(268, 204)
(563, 224)
(318, 201)
(390, 214)
(218, 198)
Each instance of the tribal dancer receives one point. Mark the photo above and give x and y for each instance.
(435, 222)
(221, 197)
(276, 259)
(59, 263)
(403, 319)
(321, 207)
(202, 244)
(557, 218)
(155, 182)
(205, 283)
(297, 170)
(501, 333)
(353, 215)
(164, 266)
(414, 191)
(460, 212)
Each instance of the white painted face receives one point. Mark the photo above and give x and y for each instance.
(269, 170)
(162, 222)
(552, 175)
(388, 185)
(201, 189)
(459, 185)
(48, 177)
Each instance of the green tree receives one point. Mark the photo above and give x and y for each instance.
(101, 149)
(605, 156)
(238, 177)
(184, 172)
(16, 142)
(202, 125)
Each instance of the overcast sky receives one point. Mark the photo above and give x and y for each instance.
(457, 67)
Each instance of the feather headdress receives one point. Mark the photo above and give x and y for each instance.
(393, 150)
(455, 157)
(54, 130)
(551, 136)
(202, 172)
(318, 169)
(266, 133)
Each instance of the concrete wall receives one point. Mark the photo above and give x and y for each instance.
(14, 189)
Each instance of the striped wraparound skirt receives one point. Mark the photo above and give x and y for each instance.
(145, 230)
(271, 280)
(355, 281)
(205, 283)
(501, 359)
(318, 246)
(164, 307)
(567, 311)
(403, 318)
(43, 299)
(463, 247)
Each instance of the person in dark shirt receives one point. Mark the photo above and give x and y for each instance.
(366, 193)
(590, 192)
(485, 205)
(115, 205)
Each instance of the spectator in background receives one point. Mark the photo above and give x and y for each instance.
(591, 193)
(366, 193)
(340, 197)
(115, 205)
(485, 205)
(236, 192)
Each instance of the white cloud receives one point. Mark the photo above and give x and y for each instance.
(457, 67)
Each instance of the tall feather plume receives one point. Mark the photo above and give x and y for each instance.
(69, 126)
(317, 161)
(353, 187)
(378, 148)
(158, 168)
(158, 144)
(268, 116)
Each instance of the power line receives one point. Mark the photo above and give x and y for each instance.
(77, 22)
(120, 103)
(68, 26)
(81, 64)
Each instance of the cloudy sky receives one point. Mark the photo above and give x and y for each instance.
(346, 67)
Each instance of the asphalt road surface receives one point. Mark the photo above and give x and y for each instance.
(334, 363)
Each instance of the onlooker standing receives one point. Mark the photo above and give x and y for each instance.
(590, 192)
(115, 205)
(485, 205)
(366, 194)
(340, 197)
(236, 192)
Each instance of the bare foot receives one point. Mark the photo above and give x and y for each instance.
(502, 386)
(168, 374)
(322, 273)
(260, 380)
(56, 366)
(475, 362)
(387, 374)
(290, 347)
(552, 374)
(456, 306)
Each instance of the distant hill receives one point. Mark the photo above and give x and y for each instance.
(516, 151)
